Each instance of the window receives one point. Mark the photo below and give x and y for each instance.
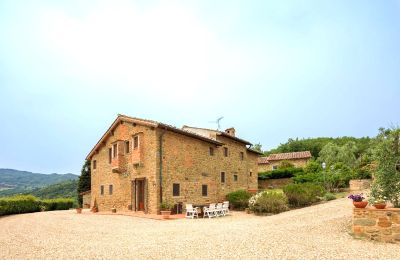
(126, 146)
(109, 155)
(251, 173)
(110, 189)
(204, 190)
(274, 167)
(235, 177)
(211, 151)
(226, 151)
(222, 177)
(241, 156)
(94, 165)
(101, 190)
(135, 141)
(176, 189)
(115, 146)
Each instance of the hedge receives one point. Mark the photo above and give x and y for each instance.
(28, 203)
(280, 173)
(239, 199)
(304, 194)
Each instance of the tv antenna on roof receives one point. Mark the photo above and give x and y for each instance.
(217, 122)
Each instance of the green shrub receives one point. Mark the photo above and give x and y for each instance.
(303, 194)
(239, 199)
(329, 196)
(28, 203)
(332, 179)
(19, 204)
(268, 202)
(280, 173)
(58, 204)
(309, 177)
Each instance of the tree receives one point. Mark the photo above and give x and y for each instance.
(257, 147)
(332, 154)
(329, 154)
(387, 175)
(84, 183)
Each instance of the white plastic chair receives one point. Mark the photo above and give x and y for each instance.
(219, 211)
(191, 212)
(209, 211)
(225, 207)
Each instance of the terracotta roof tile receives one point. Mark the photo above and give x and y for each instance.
(284, 156)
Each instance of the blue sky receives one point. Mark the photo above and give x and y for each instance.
(274, 69)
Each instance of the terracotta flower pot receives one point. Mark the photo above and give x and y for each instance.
(79, 210)
(165, 214)
(360, 204)
(380, 205)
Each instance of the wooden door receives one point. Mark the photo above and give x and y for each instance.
(140, 194)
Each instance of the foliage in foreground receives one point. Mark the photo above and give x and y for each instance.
(239, 199)
(304, 194)
(28, 203)
(387, 175)
(268, 202)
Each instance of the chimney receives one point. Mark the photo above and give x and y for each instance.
(230, 131)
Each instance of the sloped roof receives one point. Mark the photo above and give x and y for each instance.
(151, 123)
(221, 133)
(284, 156)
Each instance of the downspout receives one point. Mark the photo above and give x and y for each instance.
(161, 164)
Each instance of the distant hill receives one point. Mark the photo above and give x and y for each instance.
(15, 182)
(65, 189)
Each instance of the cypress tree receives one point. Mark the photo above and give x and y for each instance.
(84, 180)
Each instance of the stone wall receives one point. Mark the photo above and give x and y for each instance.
(359, 184)
(377, 224)
(185, 161)
(86, 200)
(273, 183)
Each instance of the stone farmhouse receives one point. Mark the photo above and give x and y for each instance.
(139, 163)
(271, 162)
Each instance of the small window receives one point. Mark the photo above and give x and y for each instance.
(126, 146)
(235, 177)
(204, 190)
(222, 177)
(251, 173)
(110, 189)
(274, 167)
(135, 141)
(94, 164)
(241, 156)
(226, 151)
(109, 155)
(176, 189)
(115, 147)
(101, 190)
(211, 151)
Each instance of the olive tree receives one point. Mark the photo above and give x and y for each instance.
(387, 156)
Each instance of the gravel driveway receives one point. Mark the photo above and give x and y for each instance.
(318, 232)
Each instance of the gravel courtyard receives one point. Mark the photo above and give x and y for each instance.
(318, 232)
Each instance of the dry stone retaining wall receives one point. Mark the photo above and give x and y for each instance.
(377, 224)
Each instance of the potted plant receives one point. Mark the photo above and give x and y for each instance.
(379, 202)
(166, 207)
(358, 200)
